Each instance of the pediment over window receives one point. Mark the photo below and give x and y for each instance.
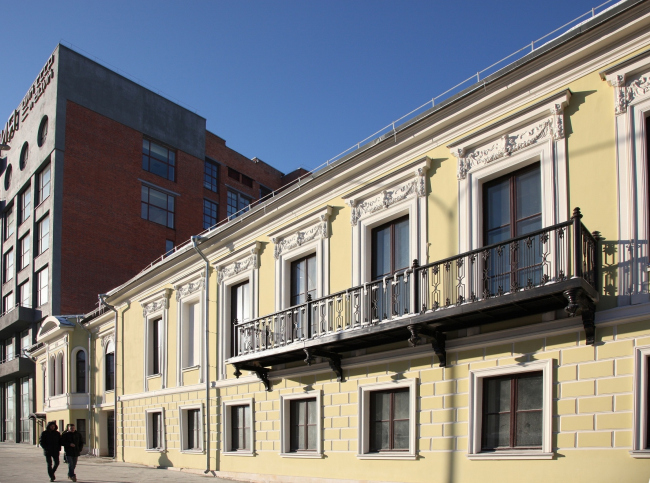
(630, 80)
(239, 261)
(313, 226)
(52, 326)
(155, 302)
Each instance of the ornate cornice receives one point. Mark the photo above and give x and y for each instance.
(161, 302)
(189, 288)
(247, 263)
(316, 231)
(386, 198)
(106, 338)
(625, 93)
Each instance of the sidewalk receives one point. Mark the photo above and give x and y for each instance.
(26, 464)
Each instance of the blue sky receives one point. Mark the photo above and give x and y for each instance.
(291, 82)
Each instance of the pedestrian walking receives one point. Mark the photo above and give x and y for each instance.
(50, 441)
(73, 443)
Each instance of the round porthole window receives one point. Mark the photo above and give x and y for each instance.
(24, 154)
(42, 131)
(8, 177)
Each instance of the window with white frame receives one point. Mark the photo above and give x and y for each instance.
(155, 346)
(44, 178)
(387, 420)
(238, 428)
(191, 333)
(9, 266)
(155, 429)
(511, 412)
(24, 294)
(155, 308)
(301, 425)
(79, 383)
(191, 428)
(24, 247)
(42, 277)
(641, 429)
(43, 230)
(25, 205)
(109, 367)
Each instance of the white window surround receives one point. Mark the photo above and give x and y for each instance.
(182, 411)
(307, 235)
(155, 306)
(240, 266)
(285, 422)
(533, 134)
(227, 427)
(189, 291)
(640, 428)
(476, 378)
(363, 436)
(73, 370)
(402, 192)
(108, 344)
(149, 428)
(631, 88)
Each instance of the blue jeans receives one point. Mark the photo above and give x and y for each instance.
(72, 462)
(50, 458)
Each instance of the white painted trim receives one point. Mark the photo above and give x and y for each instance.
(154, 307)
(476, 377)
(511, 456)
(73, 369)
(196, 295)
(285, 421)
(149, 429)
(162, 392)
(182, 413)
(226, 435)
(363, 428)
(640, 428)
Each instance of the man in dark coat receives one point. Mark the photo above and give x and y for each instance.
(73, 443)
(50, 441)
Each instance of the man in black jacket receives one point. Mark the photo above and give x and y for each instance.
(50, 441)
(73, 443)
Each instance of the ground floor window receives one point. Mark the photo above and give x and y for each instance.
(238, 427)
(191, 428)
(301, 423)
(81, 428)
(155, 430)
(25, 426)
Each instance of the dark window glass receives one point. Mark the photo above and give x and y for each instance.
(389, 420)
(157, 206)
(24, 156)
(25, 427)
(210, 213)
(512, 412)
(193, 429)
(81, 428)
(156, 430)
(25, 205)
(239, 308)
(390, 248)
(303, 425)
(264, 191)
(81, 371)
(9, 266)
(155, 346)
(240, 428)
(43, 230)
(211, 176)
(246, 181)
(110, 371)
(44, 183)
(42, 132)
(10, 226)
(237, 203)
(158, 160)
(233, 173)
(169, 247)
(23, 247)
(303, 279)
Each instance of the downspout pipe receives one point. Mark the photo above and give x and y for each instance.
(206, 342)
(102, 301)
(90, 410)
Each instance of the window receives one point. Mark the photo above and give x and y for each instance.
(387, 417)
(641, 441)
(8, 173)
(24, 156)
(210, 213)
(42, 296)
(25, 341)
(42, 132)
(264, 191)
(238, 427)
(80, 366)
(390, 248)
(9, 349)
(246, 181)
(23, 254)
(10, 411)
(9, 266)
(191, 428)
(510, 411)
(44, 178)
(239, 310)
(109, 367)
(9, 222)
(157, 207)
(237, 202)
(81, 428)
(158, 160)
(24, 295)
(43, 231)
(8, 302)
(155, 430)
(155, 346)
(169, 247)
(301, 425)
(303, 279)
(25, 205)
(24, 410)
(211, 176)
(191, 335)
(234, 174)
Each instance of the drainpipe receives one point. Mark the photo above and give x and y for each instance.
(90, 412)
(206, 343)
(102, 301)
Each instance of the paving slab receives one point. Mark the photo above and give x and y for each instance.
(26, 464)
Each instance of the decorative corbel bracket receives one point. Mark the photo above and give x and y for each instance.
(437, 337)
(579, 301)
(332, 358)
(262, 373)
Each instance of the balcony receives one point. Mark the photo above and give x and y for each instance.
(546, 270)
(16, 319)
(15, 368)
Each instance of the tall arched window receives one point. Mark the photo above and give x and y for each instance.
(59, 370)
(109, 367)
(80, 361)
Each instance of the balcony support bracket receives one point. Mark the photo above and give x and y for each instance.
(332, 358)
(262, 373)
(437, 340)
(579, 302)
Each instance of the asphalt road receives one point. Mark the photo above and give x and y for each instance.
(26, 464)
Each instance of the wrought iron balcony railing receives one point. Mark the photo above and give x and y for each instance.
(523, 273)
